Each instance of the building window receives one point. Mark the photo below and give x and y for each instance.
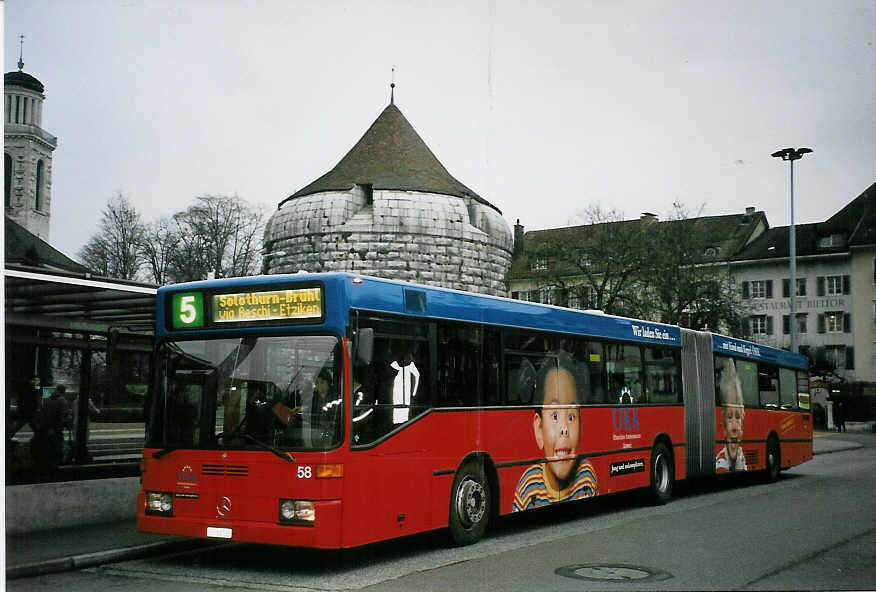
(574, 298)
(801, 323)
(834, 285)
(38, 197)
(834, 240)
(833, 322)
(761, 325)
(761, 288)
(582, 297)
(840, 357)
(540, 264)
(786, 287)
(874, 270)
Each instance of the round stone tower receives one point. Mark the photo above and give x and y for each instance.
(27, 153)
(389, 208)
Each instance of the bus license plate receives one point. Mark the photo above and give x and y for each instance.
(215, 532)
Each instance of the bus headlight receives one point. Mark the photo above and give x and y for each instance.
(297, 512)
(159, 503)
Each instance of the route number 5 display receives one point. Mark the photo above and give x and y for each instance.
(188, 310)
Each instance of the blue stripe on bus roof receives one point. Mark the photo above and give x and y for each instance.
(382, 295)
(754, 351)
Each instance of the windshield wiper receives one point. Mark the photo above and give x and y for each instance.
(276, 451)
(164, 451)
(236, 432)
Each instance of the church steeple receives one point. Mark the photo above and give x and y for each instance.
(27, 151)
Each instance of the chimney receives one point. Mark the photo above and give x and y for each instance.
(749, 210)
(518, 240)
(648, 217)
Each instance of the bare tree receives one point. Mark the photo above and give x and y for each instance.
(596, 263)
(219, 235)
(686, 283)
(158, 247)
(113, 250)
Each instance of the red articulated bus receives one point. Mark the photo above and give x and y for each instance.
(333, 410)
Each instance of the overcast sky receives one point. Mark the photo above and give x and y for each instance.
(541, 108)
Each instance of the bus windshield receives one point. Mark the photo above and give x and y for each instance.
(248, 393)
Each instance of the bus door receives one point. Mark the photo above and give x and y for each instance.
(388, 395)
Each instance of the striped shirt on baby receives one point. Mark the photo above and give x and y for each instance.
(533, 490)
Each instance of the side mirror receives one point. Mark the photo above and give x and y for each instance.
(365, 346)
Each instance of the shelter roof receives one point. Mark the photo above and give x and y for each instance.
(22, 247)
(47, 289)
(70, 302)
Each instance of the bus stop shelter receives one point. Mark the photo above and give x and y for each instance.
(86, 339)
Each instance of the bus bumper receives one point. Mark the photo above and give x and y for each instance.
(324, 534)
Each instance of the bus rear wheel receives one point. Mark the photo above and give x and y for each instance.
(773, 461)
(661, 474)
(469, 504)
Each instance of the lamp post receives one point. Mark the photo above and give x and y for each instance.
(792, 154)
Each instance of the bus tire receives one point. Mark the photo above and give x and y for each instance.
(661, 474)
(773, 460)
(470, 502)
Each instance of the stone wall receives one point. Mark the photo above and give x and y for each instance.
(426, 238)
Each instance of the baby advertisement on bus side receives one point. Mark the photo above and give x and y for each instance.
(556, 425)
(729, 456)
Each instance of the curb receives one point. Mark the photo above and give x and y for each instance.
(97, 558)
(839, 447)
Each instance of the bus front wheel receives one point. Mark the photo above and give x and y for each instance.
(661, 474)
(469, 504)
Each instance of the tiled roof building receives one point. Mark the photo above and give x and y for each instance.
(836, 290)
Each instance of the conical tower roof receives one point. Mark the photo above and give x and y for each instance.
(390, 156)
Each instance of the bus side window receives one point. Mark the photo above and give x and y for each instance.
(624, 368)
(491, 369)
(525, 353)
(520, 379)
(590, 371)
(787, 388)
(768, 385)
(803, 396)
(459, 356)
(661, 375)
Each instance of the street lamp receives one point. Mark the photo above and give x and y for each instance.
(792, 154)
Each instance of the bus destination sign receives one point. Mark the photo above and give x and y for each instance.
(300, 303)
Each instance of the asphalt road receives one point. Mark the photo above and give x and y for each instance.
(813, 530)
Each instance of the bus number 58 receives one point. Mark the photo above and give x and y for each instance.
(305, 472)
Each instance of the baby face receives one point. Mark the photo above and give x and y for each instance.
(557, 427)
(733, 415)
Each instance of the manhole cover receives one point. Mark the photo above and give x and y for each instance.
(612, 573)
